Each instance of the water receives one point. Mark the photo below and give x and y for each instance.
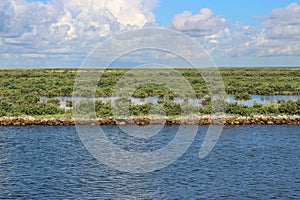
(248, 162)
(261, 99)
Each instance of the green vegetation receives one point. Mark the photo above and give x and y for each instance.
(240, 82)
(169, 108)
(53, 101)
(27, 105)
(20, 91)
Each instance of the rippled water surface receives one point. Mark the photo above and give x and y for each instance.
(248, 162)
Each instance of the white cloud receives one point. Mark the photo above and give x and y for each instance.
(67, 26)
(201, 24)
(34, 56)
(239, 42)
(132, 13)
(280, 34)
(210, 30)
(68, 29)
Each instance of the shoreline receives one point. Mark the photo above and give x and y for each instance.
(188, 120)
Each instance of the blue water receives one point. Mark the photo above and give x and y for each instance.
(263, 99)
(248, 162)
(260, 99)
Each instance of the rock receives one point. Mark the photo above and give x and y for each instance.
(201, 120)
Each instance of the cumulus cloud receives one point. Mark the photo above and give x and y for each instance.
(284, 21)
(280, 34)
(210, 30)
(67, 26)
(239, 42)
(201, 24)
(68, 29)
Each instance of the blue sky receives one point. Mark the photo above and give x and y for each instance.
(237, 11)
(53, 33)
(243, 11)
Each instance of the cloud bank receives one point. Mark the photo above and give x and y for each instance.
(63, 32)
(66, 27)
(279, 35)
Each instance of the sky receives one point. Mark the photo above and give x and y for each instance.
(61, 33)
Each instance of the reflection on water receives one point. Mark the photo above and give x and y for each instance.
(260, 99)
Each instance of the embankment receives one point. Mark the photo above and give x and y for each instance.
(200, 120)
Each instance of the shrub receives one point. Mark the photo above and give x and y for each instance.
(53, 101)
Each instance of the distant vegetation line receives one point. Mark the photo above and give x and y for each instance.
(20, 90)
(237, 81)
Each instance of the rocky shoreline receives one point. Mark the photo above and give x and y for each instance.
(192, 120)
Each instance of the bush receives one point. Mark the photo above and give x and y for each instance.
(242, 96)
(171, 108)
(269, 109)
(103, 109)
(290, 107)
(84, 108)
(38, 109)
(5, 106)
(53, 101)
(237, 109)
(140, 110)
(69, 103)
